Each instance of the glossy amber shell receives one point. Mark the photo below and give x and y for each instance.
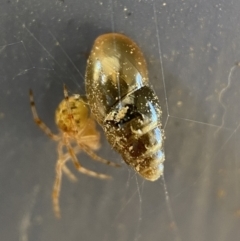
(124, 104)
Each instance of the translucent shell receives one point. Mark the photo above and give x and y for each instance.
(124, 104)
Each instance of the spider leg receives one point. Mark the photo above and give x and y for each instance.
(96, 157)
(38, 121)
(66, 157)
(65, 92)
(60, 166)
(70, 175)
(82, 169)
(57, 188)
(92, 141)
(66, 170)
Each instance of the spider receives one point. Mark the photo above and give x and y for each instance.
(77, 132)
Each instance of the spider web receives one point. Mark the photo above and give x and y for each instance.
(192, 57)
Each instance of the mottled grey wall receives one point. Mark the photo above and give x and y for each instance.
(191, 49)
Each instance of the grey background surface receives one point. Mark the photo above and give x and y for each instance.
(192, 47)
